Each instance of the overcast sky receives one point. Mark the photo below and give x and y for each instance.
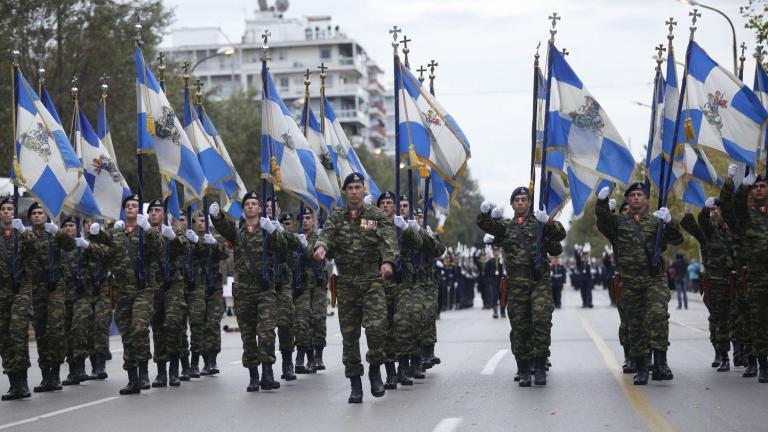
(485, 53)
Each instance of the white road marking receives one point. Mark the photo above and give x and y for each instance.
(55, 413)
(448, 424)
(116, 351)
(337, 334)
(687, 326)
(236, 362)
(490, 367)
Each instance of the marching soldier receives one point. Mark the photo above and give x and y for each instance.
(15, 305)
(255, 298)
(317, 279)
(529, 296)
(644, 289)
(101, 304)
(361, 238)
(494, 272)
(194, 300)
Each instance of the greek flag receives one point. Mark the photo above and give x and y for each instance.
(719, 111)
(232, 190)
(160, 131)
(171, 193)
(441, 193)
(557, 193)
(105, 137)
(46, 164)
(345, 160)
(761, 89)
(213, 164)
(314, 136)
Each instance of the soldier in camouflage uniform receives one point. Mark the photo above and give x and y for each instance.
(644, 289)
(432, 250)
(754, 222)
(316, 280)
(133, 246)
(255, 301)
(41, 260)
(716, 243)
(529, 296)
(98, 274)
(210, 251)
(194, 301)
(15, 305)
(169, 301)
(361, 238)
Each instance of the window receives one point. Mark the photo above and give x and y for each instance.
(284, 82)
(325, 53)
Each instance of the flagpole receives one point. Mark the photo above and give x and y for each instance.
(663, 180)
(654, 104)
(407, 65)
(742, 58)
(140, 168)
(396, 59)
(161, 82)
(74, 139)
(758, 77)
(426, 173)
(534, 122)
(264, 58)
(51, 276)
(15, 168)
(323, 68)
(300, 230)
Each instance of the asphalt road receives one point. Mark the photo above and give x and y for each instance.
(472, 390)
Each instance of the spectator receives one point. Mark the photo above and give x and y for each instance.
(693, 275)
(681, 280)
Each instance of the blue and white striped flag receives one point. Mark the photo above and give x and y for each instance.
(345, 160)
(211, 161)
(314, 134)
(761, 90)
(232, 190)
(558, 193)
(160, 132)
(105, 137)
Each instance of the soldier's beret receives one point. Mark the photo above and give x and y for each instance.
(759, 179)
(35, 205)
(636, 186)
(519, 191)
(418, 212)
(131, 197)
(155, 203)
(284, 216)
(249, 195)
(5, 200)
(386, 195)
(66, 219)
(307, 211)
(403, 197)
(355, 177)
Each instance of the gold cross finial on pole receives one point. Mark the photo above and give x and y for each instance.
(405, 41)
(659, 56)
(75, 90)
(695, 16)
(554, 18)
(137, 28)
(323, 68)
(265, 44)
(15, 57)
(199, 91)
(104, 84)
(394, 32)
(307, 82)
(421, 71)
(185, 76)
(565, 52)
(40, 70)
(432, 65)
(161, 66)
(743, 50)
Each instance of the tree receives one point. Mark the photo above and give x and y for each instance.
(754, 13)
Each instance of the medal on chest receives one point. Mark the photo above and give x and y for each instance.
(251, 229)
(130, 230)
(520, 220)
(7, 233)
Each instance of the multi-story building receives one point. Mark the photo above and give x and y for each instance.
(296, 44)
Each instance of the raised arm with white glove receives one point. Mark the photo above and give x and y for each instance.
(167, 232)
(663, 214)
(266, 225)
(18, 225)
(400, 222)
(541, 216)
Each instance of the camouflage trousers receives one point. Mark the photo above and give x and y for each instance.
(430, 313)
(758, 308)
(78, 322)
(319, 313)
(48, 322)
(302, 324)
(286, 315)
(362, 303)
(719, 305)
(194, 316)
(403, 318)
(168, 321)
(741, 322)
(529, 308)
(214, 308)
(256, 311)
(102, 319)
(15, 314)
(133, 313)
(623, 325)
(646, 300)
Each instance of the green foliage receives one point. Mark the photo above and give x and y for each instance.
(754, 14)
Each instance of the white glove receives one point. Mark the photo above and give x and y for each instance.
(94, 229)
(429, 231)
(119, 225)
(51, 228)
(266, 225)
(191, 236)
(612, 204)
(688, 209)
(710, 202)
(303, 240)
(278, 226)
(167, 232)
(82, 243)
(368, 199)
(485, 207)
(319, 231)
(142, 222)
(663, 214)
(541, 216)
(488, 239)
(18, 225)
(749, 180)
(400, 222)
(604, 192)
(497, 213)
(413, 224)
(209, 239)
(732, 168)
(213, 210)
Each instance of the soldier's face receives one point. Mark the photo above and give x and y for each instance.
(251, 208)
(714, 213)
(520, 204)
(131, 209)
(420, 219)
(759, 192)
(6, 213)
(388, 207)
(38, 217)
(289, 224)
(405, 209)
(70, 229)
(270, 214)
(183, 223)
(637, 201)
(309, 222)
(354, 193)
(156, 216)
(200, 224)
(87, 224)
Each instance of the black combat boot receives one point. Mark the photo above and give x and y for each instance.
(13, 390)
(402, 371)
(213, 368)
(194, 365)
(356, 395)
(94, 359)
(524, 372)
(725, 364)
(300, 369)
(22, 387)
(503, 312)
(72, 377)
(751, 370)
(738, 355)
(185, 370)
(540, 371)
(391, 381)
(641, 376)
(82, 375)
(268, 378)
(45, 384)
(762, 375)
(101, 367)
(629, 364)
(319, 358)
(311, 361)
(56, 378)
(287, 365)
(416, 371)
(206, 370)
(253, 385)
(426, 358)
(433, 358)
(716, 361)
(134, 384)
(661, 370)
(144, 375)
(173, 372)
(162, 376)
(495, 311)
(374, 376)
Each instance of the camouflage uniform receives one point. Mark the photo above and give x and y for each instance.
(605, 230)
(169, 301)
(286, 311)
(101, 304)
(194, 299)
(302, 297)
(210, 294)
(432, 249)
(404, 310)
(15, 308)
(360, 241)
(319, 300)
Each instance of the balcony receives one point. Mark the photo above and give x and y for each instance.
(351, 115)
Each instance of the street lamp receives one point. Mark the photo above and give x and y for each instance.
(223, 51)
(733, 29)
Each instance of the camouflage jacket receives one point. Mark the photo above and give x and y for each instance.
(754, 228)
(35, 253)
(360, 243)
(518, 240)
(7, 263)
(411, 243)
(125, 261)
(82, 284)
(167, 269)
(432, 249)
(715, 241)
(634, 238)
(248, 244)
(201, 254)
(729, 216)
(285, 260)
